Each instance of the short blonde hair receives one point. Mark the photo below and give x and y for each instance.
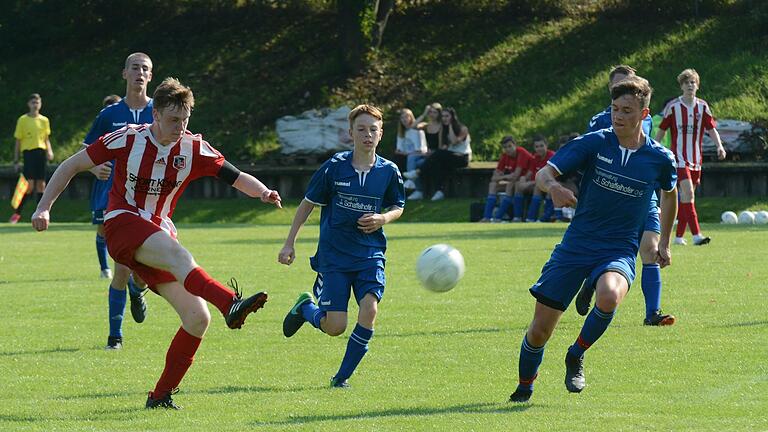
(136, 55)
(363, 109)
(687, 75)
(172, 93)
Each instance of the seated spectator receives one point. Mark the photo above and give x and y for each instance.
(570, 181)
(433, 113)
(411, 144)
(527, 185)
(453, 152)
(512, 165)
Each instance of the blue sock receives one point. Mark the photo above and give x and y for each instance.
(133, 289)
(533, 209)
(101, 251)
(651, 284)
(356, 349)
(594, 326)
(519, 200)
(312, 314)
(117, 299)
(490, 203)
(559, 213)
(503, 207)
(530, 359)
(549, 209)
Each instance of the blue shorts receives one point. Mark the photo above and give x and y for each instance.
(100, 194)
(562, 276)
(332, 288)
(97, 217)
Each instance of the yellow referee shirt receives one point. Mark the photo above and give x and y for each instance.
(32, 132)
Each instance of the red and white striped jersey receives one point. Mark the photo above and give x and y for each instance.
(149, 178)
(687, 125)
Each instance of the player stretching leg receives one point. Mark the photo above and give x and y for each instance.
(687, 117)
(650, 280)
(622, 166)
(153, 165)
(359, 192)
(135, 108)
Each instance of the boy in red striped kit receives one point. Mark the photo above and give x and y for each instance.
(153, 164)
(688, 117)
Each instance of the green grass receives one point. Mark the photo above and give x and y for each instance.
(437, 362)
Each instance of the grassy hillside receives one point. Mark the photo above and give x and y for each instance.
(250, 65)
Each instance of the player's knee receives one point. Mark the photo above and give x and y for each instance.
(608, 299)
(538, 334)
(334, 328)
(197, 322)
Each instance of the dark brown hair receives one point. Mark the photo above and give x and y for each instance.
(635, 86)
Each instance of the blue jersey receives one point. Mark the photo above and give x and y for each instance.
(615, 194)
(110, 119)
(602, 120)
(346, 194)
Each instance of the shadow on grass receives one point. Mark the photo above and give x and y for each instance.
(479, 408)
(260, 389)
(21, 418)
(37, 352)
(745, 324)
(449, 332)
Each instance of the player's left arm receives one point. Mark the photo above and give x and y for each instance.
(248, 184)
(393, 202)
(668, 214)
(715, 135)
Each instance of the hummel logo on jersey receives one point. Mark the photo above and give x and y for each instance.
(604, 159)
(325, 303)
(338, 183)
(160, 161)
(114, 124)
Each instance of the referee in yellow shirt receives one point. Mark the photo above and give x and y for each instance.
(33, 131)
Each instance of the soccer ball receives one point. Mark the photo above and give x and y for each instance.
(729, 217)
(440, 267)
(761, 217)
(746, 217)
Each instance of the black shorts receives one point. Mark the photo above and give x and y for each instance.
(34, 164)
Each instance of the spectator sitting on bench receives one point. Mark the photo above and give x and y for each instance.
(512, 164)
(411, 145)
(433, 125)
(454, 152)
(527, 185)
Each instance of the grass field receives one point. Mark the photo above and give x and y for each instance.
(437, 362)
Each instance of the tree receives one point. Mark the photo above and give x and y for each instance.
(361, 28)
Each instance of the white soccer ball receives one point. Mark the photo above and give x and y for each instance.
(440, 267)
(746, 217)
(729, 217)
(761, 217)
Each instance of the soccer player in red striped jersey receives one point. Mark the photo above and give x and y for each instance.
(153, 164)
(687, 118)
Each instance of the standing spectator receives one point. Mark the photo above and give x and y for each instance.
(411, 144)
(453, 152)
(433, 113)
(33, 132)
(688, 117)
(527, 184)
(512, 165)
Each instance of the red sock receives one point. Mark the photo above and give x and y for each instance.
(199, 283)
(693, 220)
(179, 358)
(682, 218)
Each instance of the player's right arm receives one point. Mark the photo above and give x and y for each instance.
(80, 161)
(288, 252)
(16, 154)
(546, 180)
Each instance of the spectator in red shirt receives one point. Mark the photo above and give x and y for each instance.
(527, 184)
(512, 164)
